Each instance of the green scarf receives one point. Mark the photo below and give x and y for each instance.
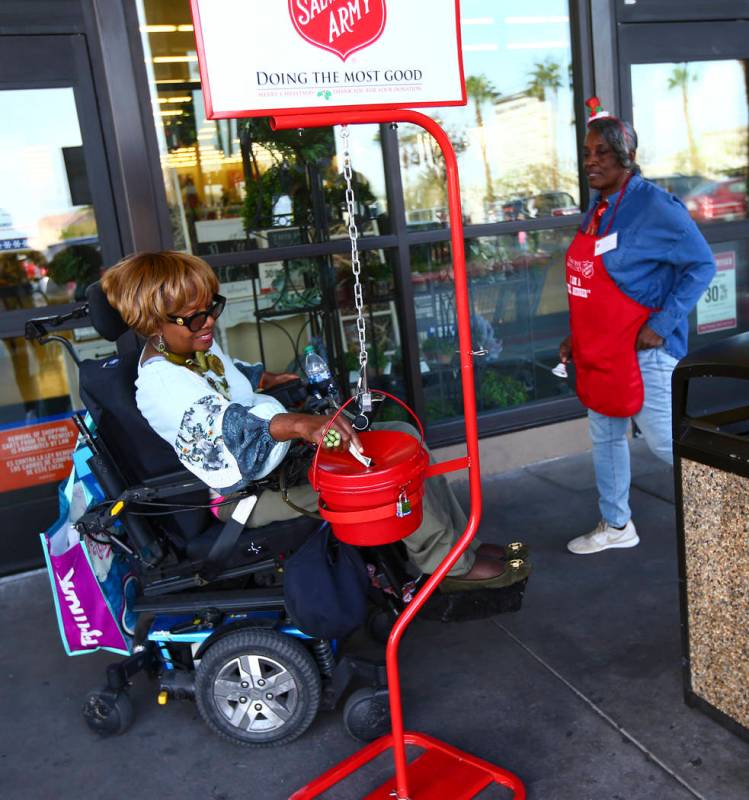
(202, 363)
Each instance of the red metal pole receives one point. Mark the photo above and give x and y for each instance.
(318, 120)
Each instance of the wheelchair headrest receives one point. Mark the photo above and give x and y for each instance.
(104, 318)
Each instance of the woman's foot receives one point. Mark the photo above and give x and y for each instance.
(487, 573)
(484, 567)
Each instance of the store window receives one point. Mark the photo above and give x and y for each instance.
(518, 311)
(235, 185)
(276, 308)
(515, 139)
(692, 122)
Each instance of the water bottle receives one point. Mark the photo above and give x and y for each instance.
(321, 384)
(315, 366)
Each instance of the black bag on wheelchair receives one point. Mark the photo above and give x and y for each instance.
(326, 586)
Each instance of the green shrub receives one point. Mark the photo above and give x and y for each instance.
(500, 391)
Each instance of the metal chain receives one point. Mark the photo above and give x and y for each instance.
(362, 387)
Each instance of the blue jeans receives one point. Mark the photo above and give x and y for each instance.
(609, 436)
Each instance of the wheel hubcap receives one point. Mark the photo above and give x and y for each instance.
(255, 693)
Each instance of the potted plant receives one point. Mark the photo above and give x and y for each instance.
(439, 350)
(500, 391)
(78, 264)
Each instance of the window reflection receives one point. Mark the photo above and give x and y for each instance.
(49, 247)
(515, 139)
(703, 159)
(518, 317)
(385, 356)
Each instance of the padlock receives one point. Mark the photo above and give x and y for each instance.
(403, 506)
(365, 402)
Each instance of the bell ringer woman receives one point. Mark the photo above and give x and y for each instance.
(636, 268)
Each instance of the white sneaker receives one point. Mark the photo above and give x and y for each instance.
(604, 537)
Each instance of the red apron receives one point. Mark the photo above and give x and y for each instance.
(604, 323)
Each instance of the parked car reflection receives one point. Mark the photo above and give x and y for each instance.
(552, 204)
(680, 185)
(718, 200)
(543, 204)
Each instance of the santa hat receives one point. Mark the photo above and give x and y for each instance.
(597, 110)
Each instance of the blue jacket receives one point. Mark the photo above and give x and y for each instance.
(662, 260)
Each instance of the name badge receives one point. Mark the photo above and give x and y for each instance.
(604, 245)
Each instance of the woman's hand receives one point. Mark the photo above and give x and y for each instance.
(647, 338)
(311, 427)
(565, 350)
(269, 380)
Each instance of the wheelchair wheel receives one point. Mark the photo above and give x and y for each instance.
(366, 715)
(107, 712)
(257, 687)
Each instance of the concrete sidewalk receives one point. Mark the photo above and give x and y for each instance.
(579, 693)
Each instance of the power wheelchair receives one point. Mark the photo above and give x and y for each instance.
(211, 622)
(211, 619)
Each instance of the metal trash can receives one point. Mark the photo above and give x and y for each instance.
(711, 471)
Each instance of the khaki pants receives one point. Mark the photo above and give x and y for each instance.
(443, 521)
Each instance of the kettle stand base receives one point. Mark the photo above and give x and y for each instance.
(440, 771)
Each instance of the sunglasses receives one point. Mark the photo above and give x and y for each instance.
(196, 321)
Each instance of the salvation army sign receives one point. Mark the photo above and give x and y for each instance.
(274, 57)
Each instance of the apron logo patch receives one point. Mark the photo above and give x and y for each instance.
(584, 267)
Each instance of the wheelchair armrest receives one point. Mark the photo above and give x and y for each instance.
(180, 482)
(178, 477)
(291, 394)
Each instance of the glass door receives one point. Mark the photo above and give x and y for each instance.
(57, 231)
(686, 88)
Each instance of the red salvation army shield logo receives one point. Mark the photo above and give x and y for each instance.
(341, 26)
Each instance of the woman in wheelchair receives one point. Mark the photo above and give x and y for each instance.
(228, 432)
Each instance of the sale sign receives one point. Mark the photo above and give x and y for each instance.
(716, 309)
(267, 58)
(36, 454)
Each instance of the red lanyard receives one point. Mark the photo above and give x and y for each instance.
(602, 208)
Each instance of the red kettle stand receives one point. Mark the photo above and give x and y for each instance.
(440, 772)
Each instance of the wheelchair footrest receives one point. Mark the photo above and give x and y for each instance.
(472, 605)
